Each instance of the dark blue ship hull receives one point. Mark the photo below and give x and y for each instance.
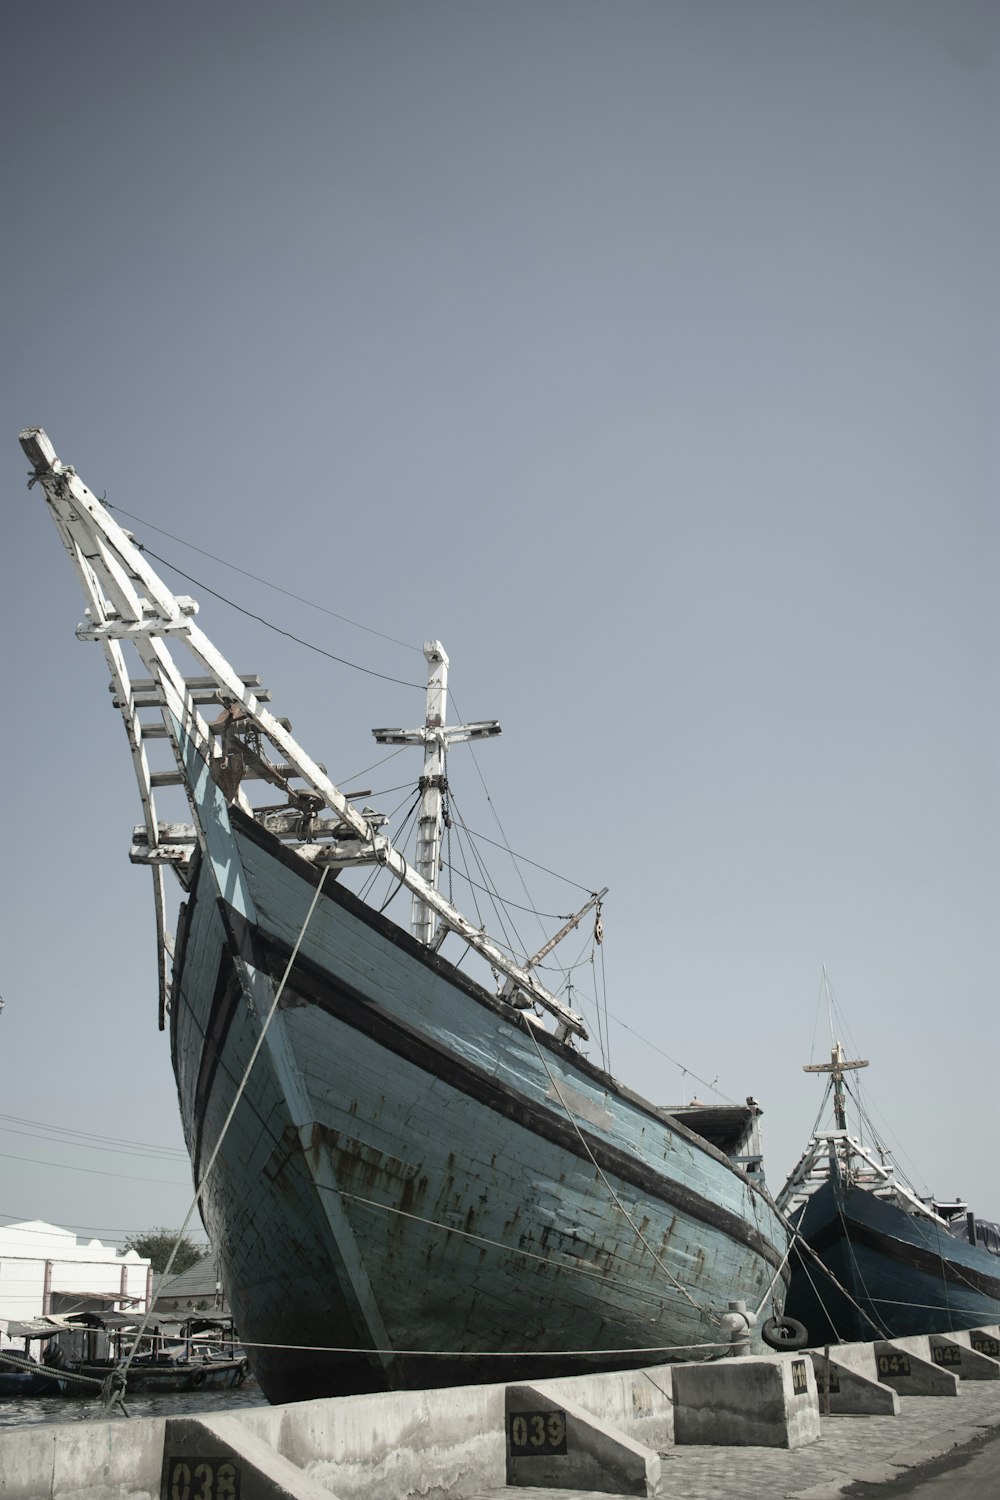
(907, 1274)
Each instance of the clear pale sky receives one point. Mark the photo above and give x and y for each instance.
(645, 354)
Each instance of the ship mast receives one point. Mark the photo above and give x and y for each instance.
(846, 1157)
(837, 1067)
(435, 736)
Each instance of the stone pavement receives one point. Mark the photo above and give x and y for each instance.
(872, 1449)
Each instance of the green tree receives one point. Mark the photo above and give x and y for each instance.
(158, 1243)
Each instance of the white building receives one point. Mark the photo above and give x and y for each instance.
(45, 1269)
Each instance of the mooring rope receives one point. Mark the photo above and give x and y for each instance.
(799, 1240)
(784, 1261)
(50, 1372)
(854, 1264)
(485, 1353)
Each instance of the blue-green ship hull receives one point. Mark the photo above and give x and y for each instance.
(415, 1189)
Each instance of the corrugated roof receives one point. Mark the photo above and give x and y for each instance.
(196, 1284)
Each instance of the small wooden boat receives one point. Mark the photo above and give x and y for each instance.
(152, 1375)
(21, 1375)
(71, 1365)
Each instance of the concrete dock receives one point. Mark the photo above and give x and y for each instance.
(787, 1425)
(851, 1451)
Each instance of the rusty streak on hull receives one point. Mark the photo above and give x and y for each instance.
(401, 1161)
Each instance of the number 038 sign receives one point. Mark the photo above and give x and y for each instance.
(536, 1434)
(200, 1479)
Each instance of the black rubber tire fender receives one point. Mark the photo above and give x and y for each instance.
(785, 1334)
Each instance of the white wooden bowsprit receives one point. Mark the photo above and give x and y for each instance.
(128, 601)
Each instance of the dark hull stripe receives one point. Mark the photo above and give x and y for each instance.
(902, 1254)
(363, 1015)
(340, 896)
(227, 996)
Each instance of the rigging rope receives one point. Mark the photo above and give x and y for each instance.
(854, 1266)
(562, 1265)
(124, 1368)
(611, 1192)
(496, 815)
(488, 1353)
(496, 901)
(799, 1240)
(604, 1035)
(288, 634)
(299, 598)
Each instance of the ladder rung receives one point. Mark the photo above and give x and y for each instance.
(174, 778)
(147, 685)
(159, 732)
(150, 698)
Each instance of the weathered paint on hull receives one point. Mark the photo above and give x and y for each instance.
(910, 1276)
(412, 1185)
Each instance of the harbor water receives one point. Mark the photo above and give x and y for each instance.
(27, 1411)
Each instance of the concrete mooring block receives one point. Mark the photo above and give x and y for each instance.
(855, 1388)
(639, 1403)
(102, 1460)
(219, 1457)
(553, 1442)
(766, 1402)
(906, 1365)
(986, 1340)
(954, 1351)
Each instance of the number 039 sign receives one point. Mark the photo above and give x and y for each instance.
(536, 1434)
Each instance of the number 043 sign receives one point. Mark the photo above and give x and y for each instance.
(536, 1434)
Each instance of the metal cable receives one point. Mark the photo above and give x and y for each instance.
(124, 1368)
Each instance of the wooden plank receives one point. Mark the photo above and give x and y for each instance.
(158, 731)
(174, 778)
(167, 833)
(150, 698)
(148, 684)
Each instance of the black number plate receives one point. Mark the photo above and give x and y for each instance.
(200, 1479)
(536, 1433)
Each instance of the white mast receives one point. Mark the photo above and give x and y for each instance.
(435, 736)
